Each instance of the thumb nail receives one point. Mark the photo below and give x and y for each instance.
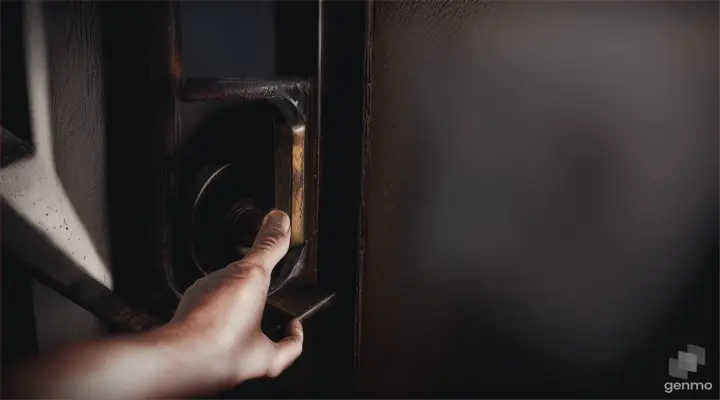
(277, 220)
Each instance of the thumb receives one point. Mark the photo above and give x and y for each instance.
(271, 242)
(287, 350)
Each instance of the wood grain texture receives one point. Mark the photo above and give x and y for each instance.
(75, 50)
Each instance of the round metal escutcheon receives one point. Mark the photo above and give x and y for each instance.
(224, 219)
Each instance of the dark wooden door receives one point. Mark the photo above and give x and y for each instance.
(540, 198)
(512, 200)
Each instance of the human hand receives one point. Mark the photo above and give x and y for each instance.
(212, 343)
(219, 315)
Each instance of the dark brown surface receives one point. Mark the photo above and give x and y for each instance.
(540, 198)
(140, 109)
(14, 101)
(344, 45)
(17, 317)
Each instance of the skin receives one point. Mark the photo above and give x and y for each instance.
(212, 343)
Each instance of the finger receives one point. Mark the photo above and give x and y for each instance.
(287, 350)
(271, 242)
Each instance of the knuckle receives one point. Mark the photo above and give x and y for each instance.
(276, 367)
(252, 270)
(297, 332)
(267, 242)
(297, 344)
(273, 371)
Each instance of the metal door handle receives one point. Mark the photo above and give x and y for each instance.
(290, 298)
(292, 294)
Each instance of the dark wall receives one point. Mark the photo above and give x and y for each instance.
(248, 39)
(14, 102)
(541, 199)
(17, 319)
(228, 39)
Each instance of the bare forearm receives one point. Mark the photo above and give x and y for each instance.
(213, 343)
(161, 363)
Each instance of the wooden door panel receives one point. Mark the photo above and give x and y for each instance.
(525, 232)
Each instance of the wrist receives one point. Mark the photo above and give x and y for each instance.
(197, 359)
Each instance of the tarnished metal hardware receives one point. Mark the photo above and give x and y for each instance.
(300, 300)
(289, 98)
(224, 223)
(290, 298)
(223, 218)
(294, 300)
(288, 268)
(223, 227)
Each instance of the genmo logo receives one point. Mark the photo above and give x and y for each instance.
(686, 361)
(680, 386)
